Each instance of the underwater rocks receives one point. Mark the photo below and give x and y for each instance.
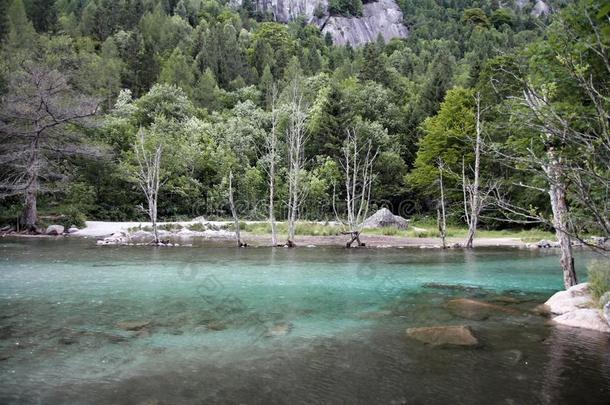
(476, 310)
(374, 314)
(279, 329)
(460, 335)
(133, 325)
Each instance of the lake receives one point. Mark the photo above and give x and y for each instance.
(142, 325)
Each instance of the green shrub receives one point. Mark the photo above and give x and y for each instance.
(599, 279)
(72, 216)
(390, 231)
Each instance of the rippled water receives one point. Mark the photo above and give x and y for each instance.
(259, 325)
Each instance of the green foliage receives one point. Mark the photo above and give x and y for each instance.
(345, 8)
(599, 279)
(198, 76)
(446, 136)
(72, 216)
(476, 16)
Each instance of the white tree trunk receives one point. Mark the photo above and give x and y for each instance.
(234, 212)
(357, 163)
(441, 214)
(475, 200)
(149, 178)
(557, 193)
(295, 135)
(271, 142)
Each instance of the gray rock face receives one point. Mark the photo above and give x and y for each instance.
(541, 9)
(383, 18)
(380, 17)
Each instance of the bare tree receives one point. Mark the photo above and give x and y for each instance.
(234, 213)
(475, 197)
(358, 159)
(148, 176)
(295, 139)
(38, 129)
(441, 216)
(271, 145)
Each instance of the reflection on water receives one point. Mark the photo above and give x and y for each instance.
(82, 324)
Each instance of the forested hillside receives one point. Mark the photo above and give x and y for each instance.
(88, 86)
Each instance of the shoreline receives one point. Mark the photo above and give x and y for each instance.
(99, 230)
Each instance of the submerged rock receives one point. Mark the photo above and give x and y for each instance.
(586, 318)
(216, 325)
(460, 335)
(374, 314)
(453, 287)
(279, 329)
(133, 325)
(476, 310)
(575, 297)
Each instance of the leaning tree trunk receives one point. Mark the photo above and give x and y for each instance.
(557, 193)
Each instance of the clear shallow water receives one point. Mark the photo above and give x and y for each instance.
(265, 326)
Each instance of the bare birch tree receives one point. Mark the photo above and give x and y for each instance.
(358, 159)
(295, 139)
(440, 212)
(271, 145)
(38, 129)
(234, 212)
(148, 176)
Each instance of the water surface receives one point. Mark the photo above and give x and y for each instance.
(260, 325)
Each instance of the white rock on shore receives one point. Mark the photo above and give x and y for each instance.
(573, 307)
(586, 318)
(54, 230)
(576, 297)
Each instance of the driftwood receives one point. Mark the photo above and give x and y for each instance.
(355, 237)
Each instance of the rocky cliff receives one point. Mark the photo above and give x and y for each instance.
(378, 17)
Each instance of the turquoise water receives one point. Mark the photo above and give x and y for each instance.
(260, 325)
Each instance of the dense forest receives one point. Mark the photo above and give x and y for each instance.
(504, 105)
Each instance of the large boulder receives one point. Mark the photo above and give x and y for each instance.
(575, 297)
(385, 218)
(54, 230)
(587, 318)
(460, 335)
